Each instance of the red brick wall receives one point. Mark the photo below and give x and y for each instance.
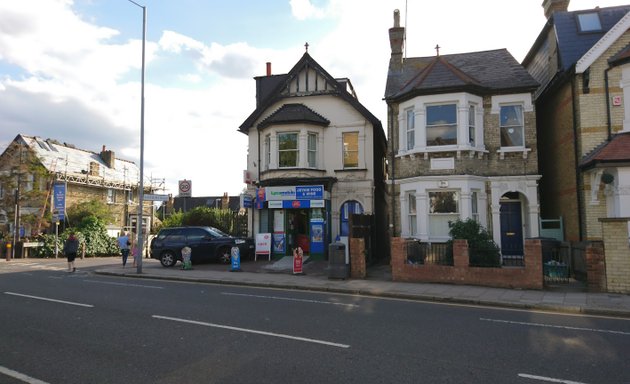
(357, 258)
(528, 277)
(596, 269)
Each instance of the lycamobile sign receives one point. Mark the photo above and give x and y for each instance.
(300, 192)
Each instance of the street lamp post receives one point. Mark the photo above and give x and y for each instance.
(140, 244)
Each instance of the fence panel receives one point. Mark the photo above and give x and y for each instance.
(429, 253)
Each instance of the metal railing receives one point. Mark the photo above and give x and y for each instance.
(429, 253)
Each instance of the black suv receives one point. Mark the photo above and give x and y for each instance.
(206, 244)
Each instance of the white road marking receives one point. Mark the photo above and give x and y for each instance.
(123, 284)
(289, 299)
(254, 331)
(556, 326)
(548, 379)
(20, 376)
(47, 299)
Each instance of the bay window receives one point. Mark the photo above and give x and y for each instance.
(441, 125)
(411, 132)
(312, 150)
(412, 213)
(288, 151)
(443, 208)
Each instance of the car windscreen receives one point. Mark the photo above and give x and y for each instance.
(217, 233)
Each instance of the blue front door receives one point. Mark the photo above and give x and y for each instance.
(511, 229)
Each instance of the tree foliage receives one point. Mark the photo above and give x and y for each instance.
(92, 208)
(482, 250)
(221, 219)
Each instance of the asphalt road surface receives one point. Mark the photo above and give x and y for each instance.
(64, 328)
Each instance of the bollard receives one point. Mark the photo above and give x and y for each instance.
(9, 251)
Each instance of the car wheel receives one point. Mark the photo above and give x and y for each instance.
(168, 259)
(224, 255)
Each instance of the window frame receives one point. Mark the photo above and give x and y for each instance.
(346, 151)
(520, 127)
(449, 125)
(267, 149)
(472, 126)
(295, 150)
(441, 219)
(410, 121)
(586, 22)
(111, 196)
(311, 152)
(412, 213)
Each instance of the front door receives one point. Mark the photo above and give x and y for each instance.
(511, 229)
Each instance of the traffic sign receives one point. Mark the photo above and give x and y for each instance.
(152, 197)
(185, 187)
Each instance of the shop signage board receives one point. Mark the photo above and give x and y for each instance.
(263, 245)
(299, 192)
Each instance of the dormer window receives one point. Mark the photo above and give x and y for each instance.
(589, 22)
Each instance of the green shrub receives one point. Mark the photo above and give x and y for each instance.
(482, 250)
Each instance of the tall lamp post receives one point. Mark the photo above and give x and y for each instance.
(140, 245)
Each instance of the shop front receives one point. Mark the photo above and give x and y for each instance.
(295, 216)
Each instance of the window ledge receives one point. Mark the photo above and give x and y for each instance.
(351, 169)
(425, 152)
(503, 150)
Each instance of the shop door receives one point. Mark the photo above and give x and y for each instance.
(297, 230)
(511, 229)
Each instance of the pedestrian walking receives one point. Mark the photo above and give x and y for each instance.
(123, 244)
(70, 249)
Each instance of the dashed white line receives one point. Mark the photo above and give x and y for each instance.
(297, 338)
(289, 299)
(20, 376)
(556, 326)
(548, 379)
(47, 299)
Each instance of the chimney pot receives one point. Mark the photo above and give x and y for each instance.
(268, 69)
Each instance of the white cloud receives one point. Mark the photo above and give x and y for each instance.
(304, 9)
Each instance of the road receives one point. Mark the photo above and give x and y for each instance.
(60, 327)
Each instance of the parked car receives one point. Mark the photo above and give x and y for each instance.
(206, 244)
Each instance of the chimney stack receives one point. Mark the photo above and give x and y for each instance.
(108, 157)
(396, 41)
(551, 6)
(268, 69)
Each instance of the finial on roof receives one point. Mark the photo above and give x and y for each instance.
(437, 49)
(306, 46)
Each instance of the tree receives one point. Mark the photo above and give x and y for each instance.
(93, 208)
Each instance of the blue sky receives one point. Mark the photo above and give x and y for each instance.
(70, 70)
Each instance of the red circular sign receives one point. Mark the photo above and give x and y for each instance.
(184, 186)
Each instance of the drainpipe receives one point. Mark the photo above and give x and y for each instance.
(608, 119)
(393, 182)
(576, 159)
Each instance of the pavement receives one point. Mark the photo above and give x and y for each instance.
(315, 277)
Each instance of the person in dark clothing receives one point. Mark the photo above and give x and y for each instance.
(70, 249)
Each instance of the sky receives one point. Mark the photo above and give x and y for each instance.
(70, 70)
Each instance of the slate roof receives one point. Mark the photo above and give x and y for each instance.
(486, 72)
(572, 44)
(294, 113)
(281, 82)
(61, 158)
(617, 150)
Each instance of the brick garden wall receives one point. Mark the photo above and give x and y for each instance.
(528, 277)
(617, 255)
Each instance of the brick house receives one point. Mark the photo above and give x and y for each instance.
(316, 155)
(462, 144)
(582, 61)
(40, 164)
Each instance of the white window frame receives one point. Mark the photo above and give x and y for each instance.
(438, 221)
(419, 105)
(412, 213)
(311, 152)
(267, 149)
(472, 130)
(296, 149)
(345, 150)
(410, 121)
(474, 205)
(512, 126)
(449, 126)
